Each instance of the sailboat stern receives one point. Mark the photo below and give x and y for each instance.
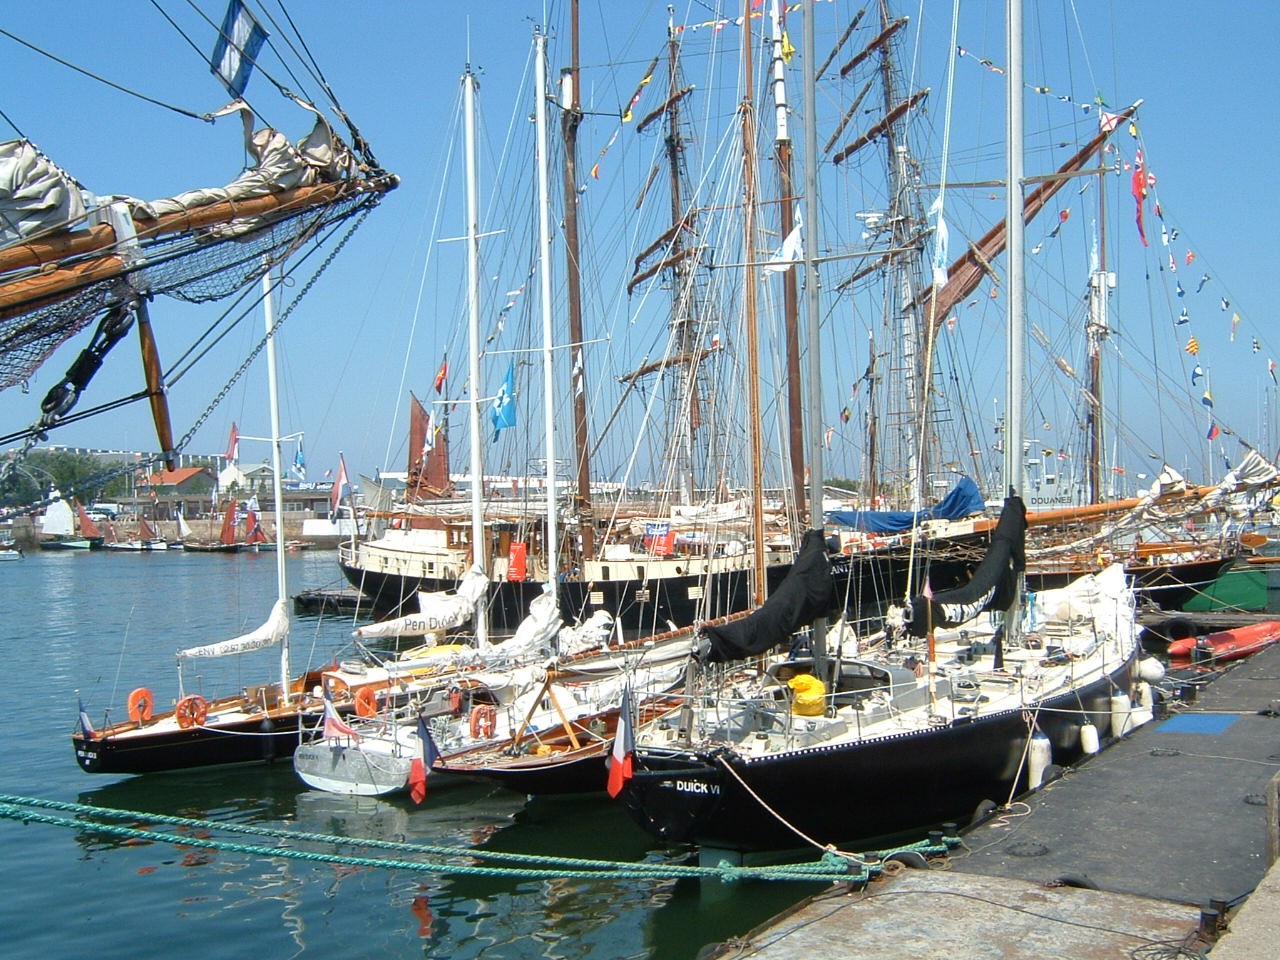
(673, 795)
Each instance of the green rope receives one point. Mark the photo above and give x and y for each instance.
(831, 867)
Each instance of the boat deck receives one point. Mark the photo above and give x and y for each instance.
(1161, 823)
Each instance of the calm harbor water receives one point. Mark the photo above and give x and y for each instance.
(97, 625)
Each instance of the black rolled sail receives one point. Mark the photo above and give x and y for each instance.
(993, 584)
(806, 593)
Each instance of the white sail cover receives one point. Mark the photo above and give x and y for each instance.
(273, 631)
(591, 635)
(437, 612)
(35, 195)
(536, 631)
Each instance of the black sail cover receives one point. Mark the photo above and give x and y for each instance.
(993, 584)
(806, 593)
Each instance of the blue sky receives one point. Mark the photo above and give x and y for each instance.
(1208, 129)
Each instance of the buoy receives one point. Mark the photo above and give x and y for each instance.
(1121, 714)
(1089, 738)
(1150, 669)
(1039, 756)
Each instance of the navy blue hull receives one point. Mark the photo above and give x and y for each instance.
(856, 792)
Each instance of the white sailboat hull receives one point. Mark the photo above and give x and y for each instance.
(369, 767)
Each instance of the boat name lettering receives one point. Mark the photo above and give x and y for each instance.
(696, 786)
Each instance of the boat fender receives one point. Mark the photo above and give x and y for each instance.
(266, 728)
(1121, 714)
(1089, 742)
(1177, 628)
(191, 711)
(366, 702)
(140, 703)
(1039, 755)
(484, 718)
(1150, 670)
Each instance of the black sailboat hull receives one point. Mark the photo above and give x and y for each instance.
(637, 605)
(857, 792)
(241, 742)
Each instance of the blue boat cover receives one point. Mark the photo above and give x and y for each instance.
(964, 500)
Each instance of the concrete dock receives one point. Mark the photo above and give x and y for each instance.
(1127, 855)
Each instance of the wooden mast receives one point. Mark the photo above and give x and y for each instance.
(570, 118)
(790, 301)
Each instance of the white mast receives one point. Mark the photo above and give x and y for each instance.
(550, 549)
(473, 278)
(1016, 228)
(282, 588)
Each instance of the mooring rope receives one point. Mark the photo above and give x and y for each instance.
(520, 866)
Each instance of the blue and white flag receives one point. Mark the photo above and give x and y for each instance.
(86, 726)
(503, 410)
(299, 468)
(236, 51)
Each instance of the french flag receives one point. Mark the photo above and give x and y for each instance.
(340, 487)
(624, 746)
(334, 725)
(421, 766)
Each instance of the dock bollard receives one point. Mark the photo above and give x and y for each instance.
(1209, 919)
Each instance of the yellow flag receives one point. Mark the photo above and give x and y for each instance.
(787, 49)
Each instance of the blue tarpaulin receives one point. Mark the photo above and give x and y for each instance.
(964, 500)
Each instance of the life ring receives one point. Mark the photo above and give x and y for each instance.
(191, 711)
(455, 701)
(140, 703)
(484, 718)
(366, 702)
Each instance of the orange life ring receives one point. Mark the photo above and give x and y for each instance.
(366, 702)
(191, 711)
(484, 718)
(140, 703)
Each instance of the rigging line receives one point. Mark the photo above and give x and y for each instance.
(177, 371)
(308, 61)
(100, 79)
(207, 60)
(437, 217)
(16, 128)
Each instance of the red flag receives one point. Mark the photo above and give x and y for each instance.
(334, 725)
(233, 444)
(1139, 186)
(620, 760)
(441, 374)
(418, 780)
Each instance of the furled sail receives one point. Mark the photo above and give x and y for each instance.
(992, 587)
(272, 632)
(436, 611)
(805, 594)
